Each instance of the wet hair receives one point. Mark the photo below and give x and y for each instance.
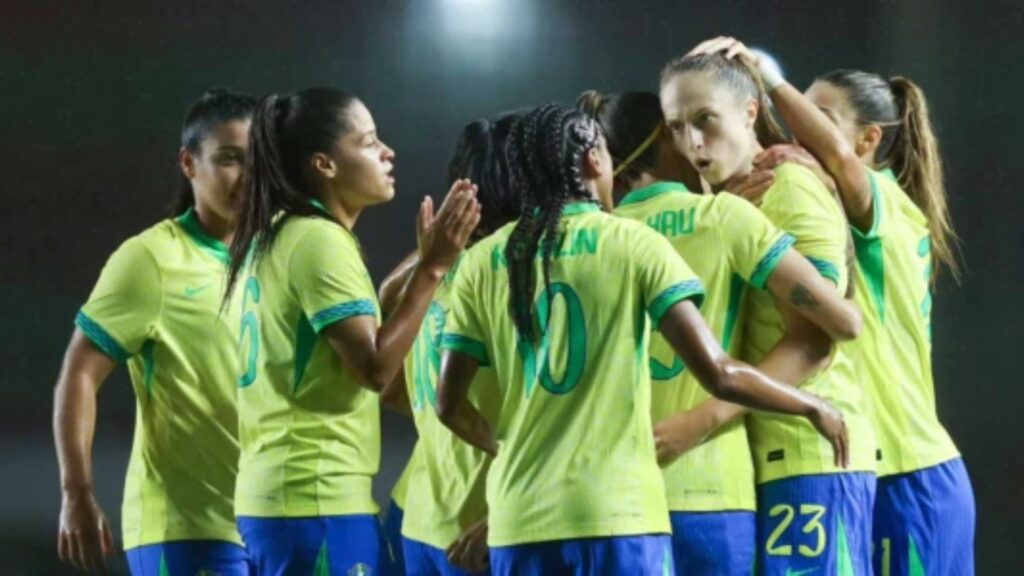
(215, 107)
(287, 129)
(742, 79)
(481, 156)
(546, 151)
(908, 146)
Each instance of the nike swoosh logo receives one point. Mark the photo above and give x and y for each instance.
(790, 572)
(193, 291)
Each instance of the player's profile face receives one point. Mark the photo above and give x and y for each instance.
(709, 124)
(216, 170)
(364, 162)
(833, 101)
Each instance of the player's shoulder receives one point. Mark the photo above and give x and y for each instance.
(314, 232)
(622, 239)
(655, 198)
(794, 178)
(724, 206)
(894, 198)
(150, 247)
(797, 190)
(487, 254)
(791, 171)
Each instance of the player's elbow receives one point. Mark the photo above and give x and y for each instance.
(850, 324)
(722, 382)
(376, 379)
(445, 408)
(842, 158)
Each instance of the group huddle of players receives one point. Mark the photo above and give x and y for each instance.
(650, 333)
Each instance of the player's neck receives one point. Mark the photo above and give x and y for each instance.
(746, 166)
(646, 179)
(215, 226)
(347, 215)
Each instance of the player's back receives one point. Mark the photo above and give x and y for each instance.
(577, 453)
(731, 246)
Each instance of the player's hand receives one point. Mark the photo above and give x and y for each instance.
(753, 185)
(828, 420)
(731, 47)
(469, 552)
(85, 539)
(677, 435)
(442, 237)
(778, 154)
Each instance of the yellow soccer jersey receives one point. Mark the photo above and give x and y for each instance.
(447, 494)
(576, 455)
(895, 350)
(786, 446)
(310, 433)
(401, 490)
(157, 307)
(729, 243)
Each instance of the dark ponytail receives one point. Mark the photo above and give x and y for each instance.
(908, 146)
(286, 131)
(546, 151)
(216, 106)
(632, 123)
(481, 157)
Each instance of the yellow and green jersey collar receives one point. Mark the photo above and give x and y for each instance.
(189, 222)
(580, 208)
(656, 189)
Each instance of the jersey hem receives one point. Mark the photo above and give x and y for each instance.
(315, 511)
(177, 536)
(922, 464)
(600, 530)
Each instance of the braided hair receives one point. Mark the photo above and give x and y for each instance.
(546, 151)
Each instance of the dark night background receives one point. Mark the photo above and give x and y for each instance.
(92, 95)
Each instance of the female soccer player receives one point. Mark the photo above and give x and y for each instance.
(449, 485)
(875, 137)
(156, 307)
(812, 515)
(313, 353)
(730, 245)
(575, 485)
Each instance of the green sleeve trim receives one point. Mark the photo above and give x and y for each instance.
(876, 211)
(825, 268)
(466, 345)
(690, 289)
(770, 261)
(339, 312)
(148, 367)
(100, 337)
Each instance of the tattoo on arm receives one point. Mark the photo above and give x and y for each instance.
(801, 296)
